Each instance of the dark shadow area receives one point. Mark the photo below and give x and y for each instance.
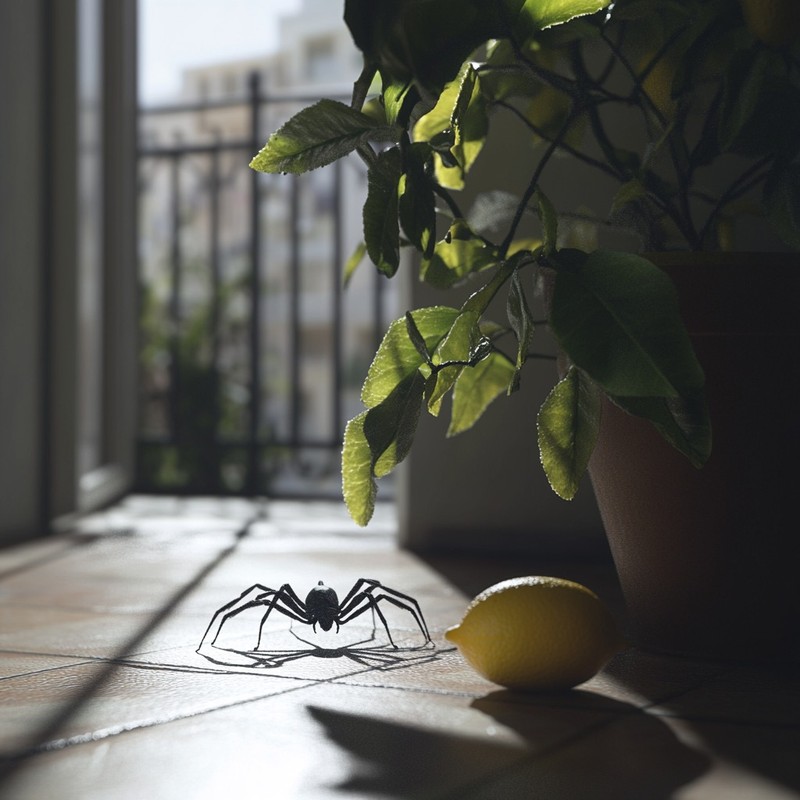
(47, 736)
(629, 755)
(615, 752)
(736, 735)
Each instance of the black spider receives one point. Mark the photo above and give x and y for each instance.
(321, 607)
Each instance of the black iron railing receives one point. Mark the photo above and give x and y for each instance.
(215, 317)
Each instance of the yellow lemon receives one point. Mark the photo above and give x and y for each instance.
(536, 633)
(774, 22)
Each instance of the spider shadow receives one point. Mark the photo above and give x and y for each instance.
(362, 652)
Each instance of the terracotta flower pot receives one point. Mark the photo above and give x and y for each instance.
(707, 559)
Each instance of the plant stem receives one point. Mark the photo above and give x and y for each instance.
(567, 148)
(534, 182)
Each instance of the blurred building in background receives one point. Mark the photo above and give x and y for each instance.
(251, 355)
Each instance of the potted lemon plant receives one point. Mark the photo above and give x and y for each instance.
(690, 113)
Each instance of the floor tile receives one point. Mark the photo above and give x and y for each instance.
(746, 761)
(630, 757)
(99, 666)
(89, 701)
(12, 664)
(644, 679)
(758, 695)
(81, 633)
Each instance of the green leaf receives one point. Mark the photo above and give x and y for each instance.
(319, 135)
(479, 300)
(397, 356)
(389, 427)
(476, 388)
(459, 254)
(457, 345)
(417, 207)
(376, 441)
(417, 339)
(616, 316)
(568, 423)
(469, 121)
(684, 423)
(394, 97)
(352, 263)
(549, 218)
(521, 320)
(535, 15)
(782, 202)
(358, 481)
(458, 125)
(381, 226)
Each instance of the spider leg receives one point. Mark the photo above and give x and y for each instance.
(357, 588)
(235, 606)
(358, 605)
(407, 602)
(295, 608)
(257, 595)
(404, 601)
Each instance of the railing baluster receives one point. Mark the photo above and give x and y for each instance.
(175, 300)
(253, 479)
(216, 289)
(337, 259)
(257, 436)
(294, 313)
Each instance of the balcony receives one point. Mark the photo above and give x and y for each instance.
(251, 356)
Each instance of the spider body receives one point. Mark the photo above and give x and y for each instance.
(321, 607)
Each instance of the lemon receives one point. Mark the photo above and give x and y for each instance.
(774, 22)
(536, 633)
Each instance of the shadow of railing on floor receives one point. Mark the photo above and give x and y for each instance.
(47, 736)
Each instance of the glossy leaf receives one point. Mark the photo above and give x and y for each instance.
(567, 425)
(521, 320)
(381, 226)
(460, 253)
(359, 488)
(535, 15)
(394, 98)
(319, 135)
(616, 316)
(352, 263)
(398, 357)
(479, 300)
(457, 345)
(389, 427)
(458, 120)
(417, 207)
(476, 388)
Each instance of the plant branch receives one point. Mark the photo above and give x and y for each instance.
(534, 182)
(751, 177)
(566, 147)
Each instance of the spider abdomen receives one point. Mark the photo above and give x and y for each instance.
(322, 605)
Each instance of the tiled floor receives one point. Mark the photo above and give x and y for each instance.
(103, 695)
